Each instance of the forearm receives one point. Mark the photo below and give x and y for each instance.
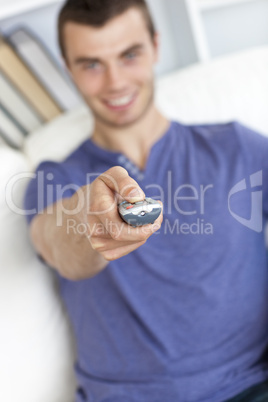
(80, 254)
(69, 252)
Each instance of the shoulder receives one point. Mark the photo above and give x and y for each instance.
(204, 138)
(253, 144)
(213, 131)
(227, 141)
(230, 132)
(67, 166)
(210, 131)
(250, 136)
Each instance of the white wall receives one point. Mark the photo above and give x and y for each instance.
(236, 27)
(169, 55)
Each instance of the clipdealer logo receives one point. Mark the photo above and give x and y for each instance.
(256, 219)
(191, 203)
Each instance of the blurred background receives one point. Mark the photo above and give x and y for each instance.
(191, 30)
(213, 68)
(35, 87)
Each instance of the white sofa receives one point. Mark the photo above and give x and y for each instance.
(36, 344)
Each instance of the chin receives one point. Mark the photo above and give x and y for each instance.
(119, 124)
(124, 121)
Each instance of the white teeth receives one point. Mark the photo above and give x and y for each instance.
(121, 101)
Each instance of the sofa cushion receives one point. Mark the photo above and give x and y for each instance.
(57, 139)
(37, 349)
(233, 87)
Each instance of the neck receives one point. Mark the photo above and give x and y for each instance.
(134, 141)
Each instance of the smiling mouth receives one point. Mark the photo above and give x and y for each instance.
(120, 102)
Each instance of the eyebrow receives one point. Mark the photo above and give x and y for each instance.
(81, 60)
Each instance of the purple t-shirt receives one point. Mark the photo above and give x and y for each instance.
(185, 317)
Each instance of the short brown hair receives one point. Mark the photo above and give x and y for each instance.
(97, 13)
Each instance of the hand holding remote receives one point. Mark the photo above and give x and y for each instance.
(140, 213)
(109, 235)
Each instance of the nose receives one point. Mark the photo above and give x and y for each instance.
(115, 79)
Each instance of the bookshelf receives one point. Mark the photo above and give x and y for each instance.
(12, 8)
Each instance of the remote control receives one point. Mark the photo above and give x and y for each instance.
(140, 213)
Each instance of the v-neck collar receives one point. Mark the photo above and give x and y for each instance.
(119, 158)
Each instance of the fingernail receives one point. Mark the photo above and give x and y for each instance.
(135, 193)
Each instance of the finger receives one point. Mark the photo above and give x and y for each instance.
(101, 244)
(125, 232)
(106, 211)
(119, 181)
(97, 230)
(121, 231)
(114, 254)
(119, 198)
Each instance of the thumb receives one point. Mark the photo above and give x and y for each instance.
(119, 181)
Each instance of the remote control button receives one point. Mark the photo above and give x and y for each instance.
(127, 204)
(130, 206)
(148, 208)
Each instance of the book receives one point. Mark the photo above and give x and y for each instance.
(42, 64)
(10, 130)
(17, 106)
(23, 79)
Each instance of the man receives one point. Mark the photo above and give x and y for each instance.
(177, 313)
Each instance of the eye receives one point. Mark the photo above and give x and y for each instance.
(131, 56)
(92, 66)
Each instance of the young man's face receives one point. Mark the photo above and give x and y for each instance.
(112, 67)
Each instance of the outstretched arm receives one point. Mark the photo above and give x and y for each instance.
(80, 255)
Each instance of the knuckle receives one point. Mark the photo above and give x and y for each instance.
(112, 175)
(94, 231)
(117, 170)
(120, 238)
(115, 231)
(97, 244)
(100, 248)
(93, 207)
(109, 255)
(92, 245)
(101, 206)
(92, 241)
(129, 184)
(115, 235)
(92, 234)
